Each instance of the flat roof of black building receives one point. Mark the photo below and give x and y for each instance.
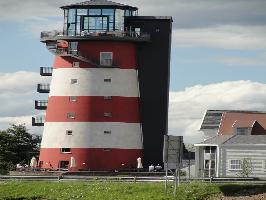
(150, 18)
(99, 3)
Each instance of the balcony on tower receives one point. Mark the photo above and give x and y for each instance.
(41, 104)
(97, 20)
(38, 121)
(43, 88)
(46, 71)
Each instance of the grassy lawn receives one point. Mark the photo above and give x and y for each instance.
(109, 191)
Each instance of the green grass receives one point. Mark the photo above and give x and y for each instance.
(16, 190)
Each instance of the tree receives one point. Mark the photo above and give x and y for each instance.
(17, 145)
(246, 168)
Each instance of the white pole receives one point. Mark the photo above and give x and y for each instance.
(166, 178)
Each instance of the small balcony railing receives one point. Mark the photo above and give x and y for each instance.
(43, 88)
(38, 121)
(46, 71)
(41, 104)
(50, 35)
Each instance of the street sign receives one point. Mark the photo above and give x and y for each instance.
(172, 157)
(173, 149)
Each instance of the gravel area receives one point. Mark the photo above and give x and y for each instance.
(254, 194)
(251, 197)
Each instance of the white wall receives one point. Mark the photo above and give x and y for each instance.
(91, 82)
(257, 155)
(91, 135)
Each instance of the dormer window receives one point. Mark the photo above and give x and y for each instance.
(242, 131)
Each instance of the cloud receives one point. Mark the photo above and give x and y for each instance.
(18, 82)
(186, 14)
(6, 122)
(17, 10)
(223, 37)
(205, 13)
(235, 61)
(187, 107)
(238, 24)
(17, 96)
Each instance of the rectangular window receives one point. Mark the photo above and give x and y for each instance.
(73, 48)
(76, 64)
(63, 164)
(71, 115)
(74, 81)
(106, 58)
(69, 132)
(207, 164)
(107, 114)
(242, 131)
(107, 132)
(107, 80)
(209, 149)
(107, 97)
(73, 98)
(65, 150)
(106, 149)
(235, 164)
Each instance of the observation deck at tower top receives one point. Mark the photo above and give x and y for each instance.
(97, 20)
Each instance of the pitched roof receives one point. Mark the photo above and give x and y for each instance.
(232, 120)
(216, 140)
(99, 3)
(247, 139)
(212, 119)
(243, 124)
(215, 119)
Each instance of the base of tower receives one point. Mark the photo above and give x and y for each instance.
(89, 159)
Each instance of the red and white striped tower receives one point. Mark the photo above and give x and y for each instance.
(93, 113)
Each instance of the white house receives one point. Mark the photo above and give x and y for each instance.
(232, 138)
(223, 156)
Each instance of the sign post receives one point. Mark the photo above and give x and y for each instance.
(172, 154)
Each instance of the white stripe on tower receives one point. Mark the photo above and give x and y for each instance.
(92, 135)
(94, 82)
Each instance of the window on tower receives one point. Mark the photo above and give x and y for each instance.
(107, 80)
(106, 58)
(107, 114)
(107, 132)
(76, 64)
(65, 150)
(69, 132)
(74, 81)
(73, 98)
(107, 97)
(71, 115)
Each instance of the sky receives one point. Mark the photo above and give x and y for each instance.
(217, 60)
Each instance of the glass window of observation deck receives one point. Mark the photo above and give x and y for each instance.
(88, 20)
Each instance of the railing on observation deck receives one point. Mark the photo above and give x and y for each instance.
(45, 35)
(41, 104)
(43, 88)
(38, 121)
(46, 71)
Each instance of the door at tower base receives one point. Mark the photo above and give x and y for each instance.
(90, 158)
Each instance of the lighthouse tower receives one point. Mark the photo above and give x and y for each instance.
(94, 113)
